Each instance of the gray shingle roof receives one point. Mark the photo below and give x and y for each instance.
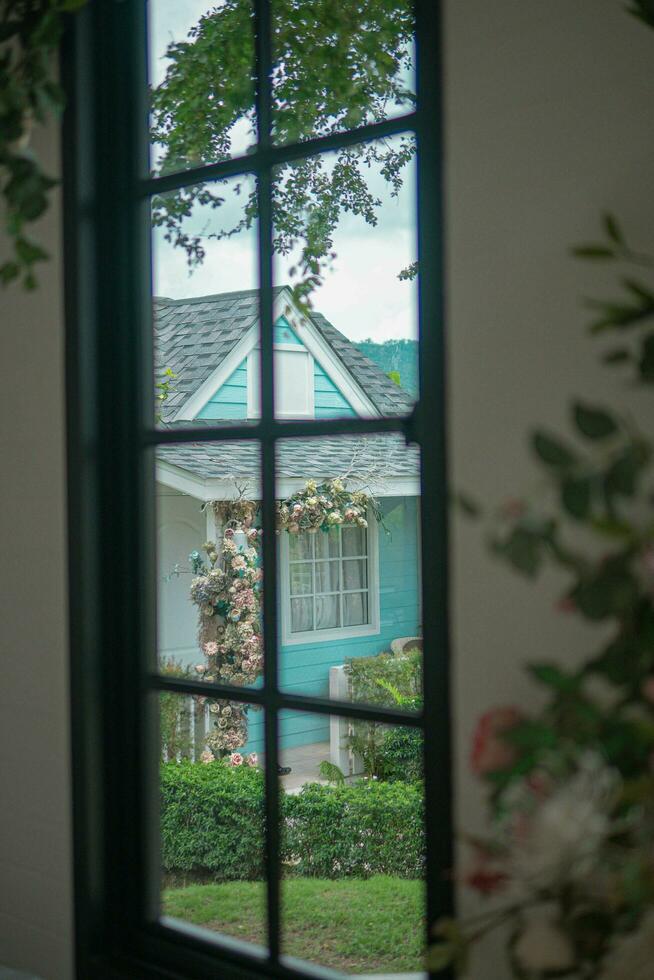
(193, 336)
(375, 458)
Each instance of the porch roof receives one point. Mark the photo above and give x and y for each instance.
(383, 463)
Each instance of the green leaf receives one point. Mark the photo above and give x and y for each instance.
(553, 676)
(593, 252)
(523, 549)
(466, 504)
(612, 228)
(593, 423)
(531, 735)
(622, 475)
(646, 360)
(551, 452)
(576, 496)
(616, 356)
(439, 956)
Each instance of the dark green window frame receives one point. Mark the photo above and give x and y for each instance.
(111, 448)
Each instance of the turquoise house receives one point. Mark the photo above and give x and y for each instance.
(345, 594)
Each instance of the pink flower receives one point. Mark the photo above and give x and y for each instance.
(236, 759)
(239, 563)
(486, 881)
(200, 668)
(229, 532)
(490, 751)
(211, 648)
(207, 756)
(252, 759)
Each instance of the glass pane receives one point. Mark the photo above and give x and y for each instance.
(301, 615)
(327, 612)
(302, 579)
(379, 609)
(212, 816)
(205, 304)
(345, 251)
(209, 582)
(353, 848)
(355, 574)
(328, 578)
(354, 541)
(201, 61)
(355, 608)
(338, 66)
(327, 545)
(300, 546)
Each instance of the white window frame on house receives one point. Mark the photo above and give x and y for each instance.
(309, 637)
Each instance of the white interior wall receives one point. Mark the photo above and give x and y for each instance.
(35, 813)
(549, 120)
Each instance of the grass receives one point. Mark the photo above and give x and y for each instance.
(353, 925)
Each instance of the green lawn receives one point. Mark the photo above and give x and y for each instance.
(353, 925)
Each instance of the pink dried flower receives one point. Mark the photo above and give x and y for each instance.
(236, 759)
(207, 756)
(252, 759)
(490, 751)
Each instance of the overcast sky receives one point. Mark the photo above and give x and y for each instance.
(362, 296)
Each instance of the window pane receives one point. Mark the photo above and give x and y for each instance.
(355, 574)
(201, 59)
(328, 578)
(354, 541)
(302, 579)
(338, 66)
(327, 545)
(301, 615)
(300, 546)
(355, 609)
(209, 582)
(327, 612)
(205, 304)
(378, 615)
(353, 845)
(212, 816)
(343, 295)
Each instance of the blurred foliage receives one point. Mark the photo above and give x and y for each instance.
(389, 752)
(592, 517)
(30, 31)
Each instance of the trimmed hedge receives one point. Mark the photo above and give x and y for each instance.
(212, 821)
(369, 828)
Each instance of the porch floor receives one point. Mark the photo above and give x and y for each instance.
(304, 761)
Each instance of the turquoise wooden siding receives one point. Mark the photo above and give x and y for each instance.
(329, 402)
(231, 399)
(305, 669)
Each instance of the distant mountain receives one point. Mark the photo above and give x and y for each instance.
(395, 355)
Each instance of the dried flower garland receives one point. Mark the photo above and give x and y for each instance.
(226, 590)
(319, 507)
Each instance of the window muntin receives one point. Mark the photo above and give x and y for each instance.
(328, 584)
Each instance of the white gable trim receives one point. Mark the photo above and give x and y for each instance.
(314, 342)
(230, 488)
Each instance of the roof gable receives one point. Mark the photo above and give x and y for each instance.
(204, 340)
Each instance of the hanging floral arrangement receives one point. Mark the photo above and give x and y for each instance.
(226, 590)
(319, 507)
